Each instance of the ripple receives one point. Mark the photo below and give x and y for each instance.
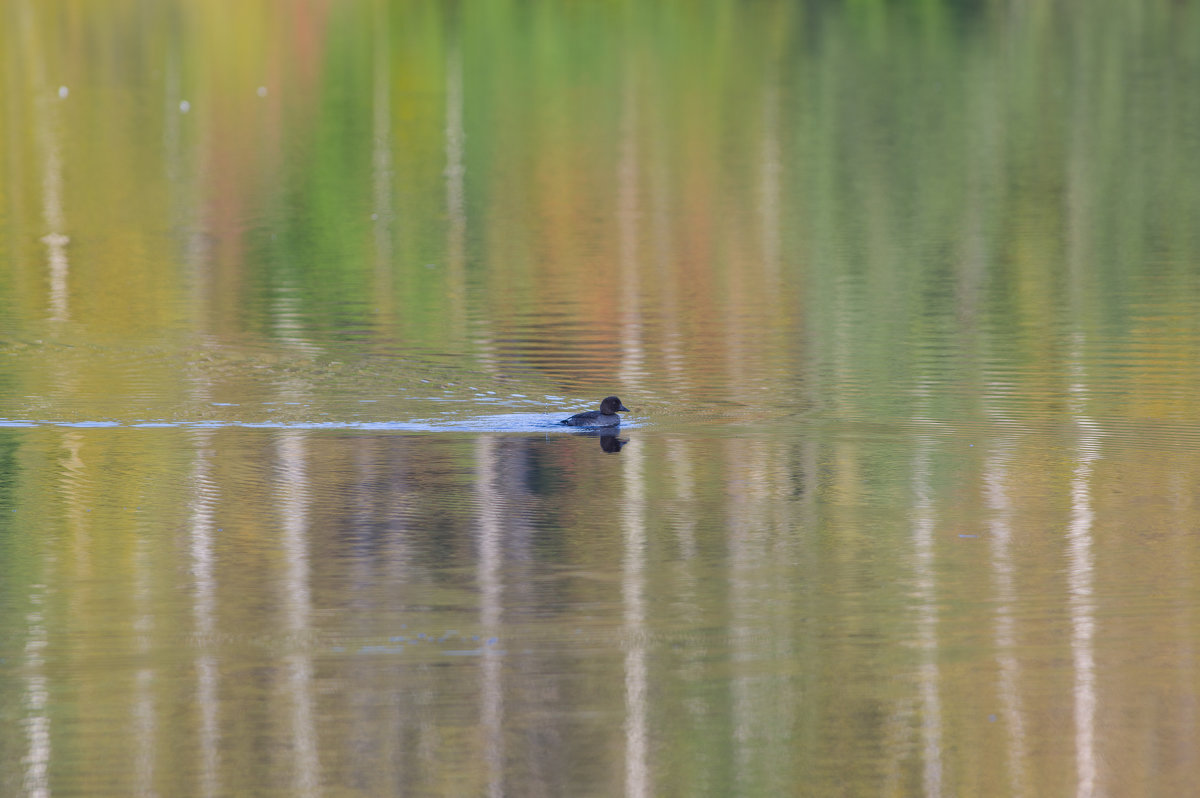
(508, 422)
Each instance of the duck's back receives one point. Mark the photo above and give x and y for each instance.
(593, 418)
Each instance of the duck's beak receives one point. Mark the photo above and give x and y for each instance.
(623, 409)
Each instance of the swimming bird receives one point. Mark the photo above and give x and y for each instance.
(606, 416)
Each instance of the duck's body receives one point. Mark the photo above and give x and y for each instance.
(606, 416)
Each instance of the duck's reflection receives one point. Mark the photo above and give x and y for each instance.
(609, 441)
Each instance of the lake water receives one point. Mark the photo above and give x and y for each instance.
(905, 304)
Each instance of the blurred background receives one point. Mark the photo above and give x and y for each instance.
(904, 298)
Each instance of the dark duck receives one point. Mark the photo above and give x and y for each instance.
(606, 416)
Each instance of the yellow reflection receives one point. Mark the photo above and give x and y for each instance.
(628, 173)
(637, 763)
(929, 675)
(456, 204)
(491, 595)
(1080, 581)
(633, 586)
(48, 125)
(35, 777)
(298, 682)
(995, 479)
(382, 165)
(204, 598)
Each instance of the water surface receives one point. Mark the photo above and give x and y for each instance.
(905, 303)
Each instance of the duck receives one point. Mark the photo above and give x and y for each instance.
(606, 416)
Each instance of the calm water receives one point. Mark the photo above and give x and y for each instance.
(905, 303)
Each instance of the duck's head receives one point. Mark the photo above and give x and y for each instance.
(611, 404)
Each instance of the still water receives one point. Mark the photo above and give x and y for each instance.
(905, 305)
